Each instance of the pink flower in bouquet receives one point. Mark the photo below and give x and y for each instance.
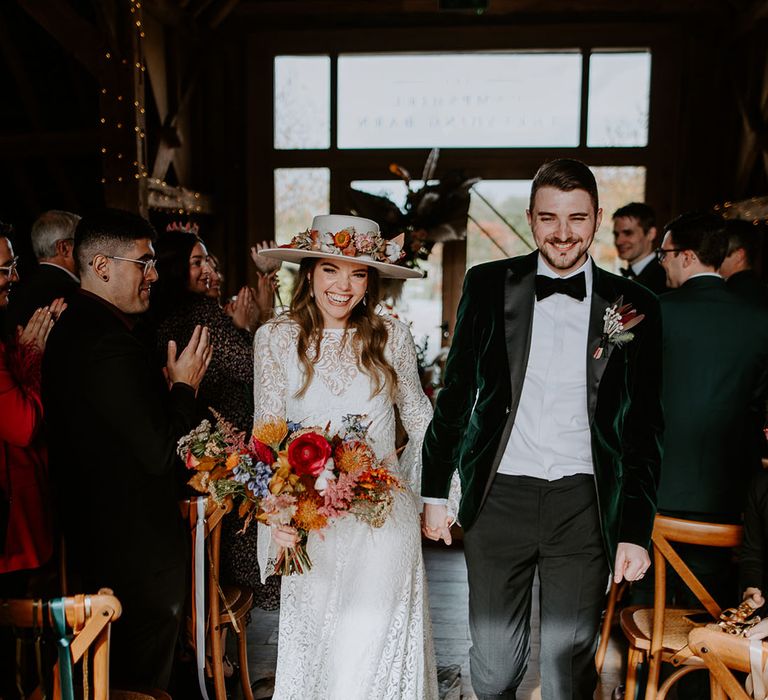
(191, 461)
(308, 454)
(261, 452)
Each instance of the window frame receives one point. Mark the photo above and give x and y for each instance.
(347, 165)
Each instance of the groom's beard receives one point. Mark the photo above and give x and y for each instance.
(565, 255)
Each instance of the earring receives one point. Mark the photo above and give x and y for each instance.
(365, 300)
(311, 294)
(105, 278)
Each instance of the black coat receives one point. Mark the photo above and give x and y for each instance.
(39, 288)
(113, 428)
(653, 277)
(484, 377)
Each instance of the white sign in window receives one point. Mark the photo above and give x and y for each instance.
(469, 100)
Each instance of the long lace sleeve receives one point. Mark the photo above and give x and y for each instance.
(270, 382)
(414, 406)
(270, 386)
(415, 414)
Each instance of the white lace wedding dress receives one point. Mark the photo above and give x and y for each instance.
(357, 626)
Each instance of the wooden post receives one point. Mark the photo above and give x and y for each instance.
(122, 117)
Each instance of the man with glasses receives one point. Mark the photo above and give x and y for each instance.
(55, 277)
(715, 361)
(114, 424)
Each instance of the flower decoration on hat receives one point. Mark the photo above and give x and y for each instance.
(350, 243)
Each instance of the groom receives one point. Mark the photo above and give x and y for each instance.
(555, 428)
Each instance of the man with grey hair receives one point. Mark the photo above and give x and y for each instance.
(53, 241)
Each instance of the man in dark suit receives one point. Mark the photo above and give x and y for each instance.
(738, 267)
(554, 426)
(114, 425)
(715, 376)
(636, 237)
(55, 276)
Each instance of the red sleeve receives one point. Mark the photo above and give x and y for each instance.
(20, 404)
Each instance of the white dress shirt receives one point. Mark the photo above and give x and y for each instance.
(550, 438)
(639, 265)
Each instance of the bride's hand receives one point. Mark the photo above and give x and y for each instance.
(285, 536)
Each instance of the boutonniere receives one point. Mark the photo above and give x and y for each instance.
(618, 319)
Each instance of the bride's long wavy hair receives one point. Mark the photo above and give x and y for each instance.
(368, 341)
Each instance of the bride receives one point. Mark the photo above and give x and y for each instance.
(356, 626)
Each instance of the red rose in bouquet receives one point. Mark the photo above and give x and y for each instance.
(261, 452)
(308, 453)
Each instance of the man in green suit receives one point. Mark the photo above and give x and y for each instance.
(551, 414)
(715, 376)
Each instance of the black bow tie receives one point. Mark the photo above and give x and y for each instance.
(575, 286)
(628, 272)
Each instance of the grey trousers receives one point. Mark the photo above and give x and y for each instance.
(527, 523)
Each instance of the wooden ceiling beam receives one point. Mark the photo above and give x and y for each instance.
(72, 32)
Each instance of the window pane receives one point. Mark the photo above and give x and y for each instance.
(616, 186)
(420, 305)
(459, 100)
(619, 93)
(302, 102)
(488, 237)
(300, 194)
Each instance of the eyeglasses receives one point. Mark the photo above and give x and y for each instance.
(661, 253)
(148, 265)
(9, 269)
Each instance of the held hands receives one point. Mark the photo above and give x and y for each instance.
(35, 333)
(632, 561)
(435, 523)
(190, 366)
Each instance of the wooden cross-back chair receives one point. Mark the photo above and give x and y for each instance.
(660, 633)
(87, 619)
(722, 653)
(225, 605)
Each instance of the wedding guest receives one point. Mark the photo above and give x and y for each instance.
(181, 301)
(738, 267)
(554, 429)
(715, 361)
(636, 237)
(26, 530)
(114, 424)
(55, 276)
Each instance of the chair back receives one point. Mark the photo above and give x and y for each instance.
(87, 617)
(667, 530)
(722, 653)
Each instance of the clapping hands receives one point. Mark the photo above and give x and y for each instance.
(266, 266)
(35, 333)
(190, 366)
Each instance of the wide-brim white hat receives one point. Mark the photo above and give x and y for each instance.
(350, 238)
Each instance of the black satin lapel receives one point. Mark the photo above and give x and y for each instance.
(519, 297)
(596, 368)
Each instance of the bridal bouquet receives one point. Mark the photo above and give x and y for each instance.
(291, 474)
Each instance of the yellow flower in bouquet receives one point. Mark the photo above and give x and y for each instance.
(308, 515)
(271, 433)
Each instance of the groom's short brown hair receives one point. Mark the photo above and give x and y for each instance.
(565, 174)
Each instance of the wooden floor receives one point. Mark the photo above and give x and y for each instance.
(448, 604)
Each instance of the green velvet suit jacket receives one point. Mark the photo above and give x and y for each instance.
(484, 375)
(715, 385)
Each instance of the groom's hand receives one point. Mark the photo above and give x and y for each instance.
(435, 523)
(632, 561)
